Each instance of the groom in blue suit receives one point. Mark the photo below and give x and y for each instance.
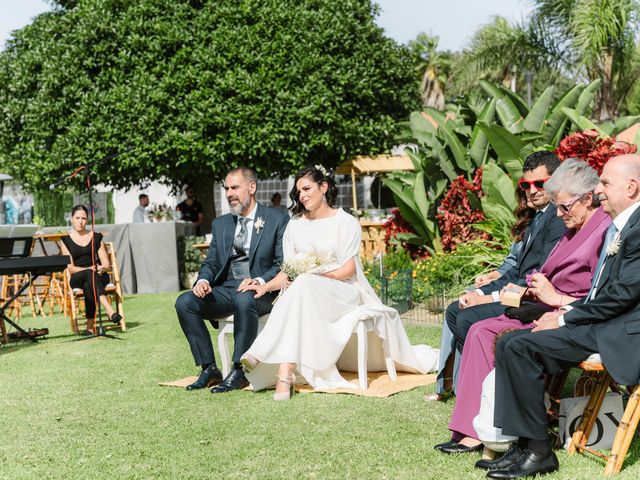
(245, 249)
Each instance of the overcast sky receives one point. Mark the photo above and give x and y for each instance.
(454, 21)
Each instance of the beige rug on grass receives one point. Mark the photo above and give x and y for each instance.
(379, 384)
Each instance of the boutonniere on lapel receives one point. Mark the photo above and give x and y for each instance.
(258, 224)
(614, 246)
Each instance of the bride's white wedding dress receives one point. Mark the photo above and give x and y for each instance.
(312, 321)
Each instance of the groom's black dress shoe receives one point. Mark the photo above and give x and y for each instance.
(459, 448)
(511, 456)
(529, 464)
(234, 381)
(208, 377)
(450, 443)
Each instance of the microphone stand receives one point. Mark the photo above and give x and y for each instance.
(99, 330)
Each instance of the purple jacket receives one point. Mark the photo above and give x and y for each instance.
(572, 263)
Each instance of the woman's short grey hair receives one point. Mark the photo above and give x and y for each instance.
(573, 176)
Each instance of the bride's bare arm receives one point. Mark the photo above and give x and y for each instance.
(345, 272)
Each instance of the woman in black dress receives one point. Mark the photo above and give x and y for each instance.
(78, 246)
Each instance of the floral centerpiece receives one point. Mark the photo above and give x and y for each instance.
(160, 213)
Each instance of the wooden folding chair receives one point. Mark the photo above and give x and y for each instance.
(4, 338)
(626, 428)
(113, 291)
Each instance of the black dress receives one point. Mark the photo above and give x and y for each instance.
(81, 256)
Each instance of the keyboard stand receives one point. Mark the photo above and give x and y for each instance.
(10, 301)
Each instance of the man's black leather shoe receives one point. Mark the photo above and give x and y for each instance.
(459, 448)
(208, 377)
(510, 456)
(234, 381)
(529, 464)
(450, 443)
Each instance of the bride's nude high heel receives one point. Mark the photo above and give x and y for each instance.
(291, 382)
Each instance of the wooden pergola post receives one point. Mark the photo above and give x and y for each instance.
(354, 190)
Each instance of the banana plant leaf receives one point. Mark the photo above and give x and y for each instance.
(582, 123)
(479, 145)
(506, 145)
(557, 120)
(587, 97)
(535, 119)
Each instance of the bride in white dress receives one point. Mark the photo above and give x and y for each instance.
(312, 321)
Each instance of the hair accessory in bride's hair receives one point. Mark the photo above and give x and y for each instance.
(322, 169)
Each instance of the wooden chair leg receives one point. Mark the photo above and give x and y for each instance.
(590, 413)
(624, 434)
(3, 332)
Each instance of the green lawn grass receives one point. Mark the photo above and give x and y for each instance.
(93, 409)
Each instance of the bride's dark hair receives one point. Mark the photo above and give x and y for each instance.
(319, 175)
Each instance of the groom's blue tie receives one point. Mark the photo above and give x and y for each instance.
(611, 234)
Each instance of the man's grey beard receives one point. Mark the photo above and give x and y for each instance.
(240, 206)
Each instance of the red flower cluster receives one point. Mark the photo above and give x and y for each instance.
(397, 224)
(592, 148)
(455, 214)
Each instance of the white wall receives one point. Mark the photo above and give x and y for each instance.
(126, 201)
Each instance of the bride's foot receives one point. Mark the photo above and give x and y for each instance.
(248, 362)
(285, 387)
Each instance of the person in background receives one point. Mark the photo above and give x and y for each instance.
(190, 209)
(84, 275)
(276, 202)
(140, 213)
(10, 211)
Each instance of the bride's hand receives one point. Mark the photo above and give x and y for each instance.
(259, 289)
(246, 283)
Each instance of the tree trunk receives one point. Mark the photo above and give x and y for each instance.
(605, 102)
(205, 185)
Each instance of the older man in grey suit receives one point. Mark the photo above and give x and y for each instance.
(246, 248)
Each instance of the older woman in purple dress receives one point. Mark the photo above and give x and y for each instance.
(564, 277)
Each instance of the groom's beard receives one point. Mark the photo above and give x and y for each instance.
(238, 207)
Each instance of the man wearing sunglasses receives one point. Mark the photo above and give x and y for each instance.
(541, 236)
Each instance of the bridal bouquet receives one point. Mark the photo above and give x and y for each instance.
(313, 262)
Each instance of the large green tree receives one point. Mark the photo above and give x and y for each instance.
(197, 87)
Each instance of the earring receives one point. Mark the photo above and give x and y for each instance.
(324, 198)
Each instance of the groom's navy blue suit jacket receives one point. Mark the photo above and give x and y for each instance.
(265, 253)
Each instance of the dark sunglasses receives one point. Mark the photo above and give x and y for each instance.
(526, 186)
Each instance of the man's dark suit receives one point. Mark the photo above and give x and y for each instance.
(609, 324)
(265, 257)
(544, 237)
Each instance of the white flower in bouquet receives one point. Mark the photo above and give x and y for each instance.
(313, 262)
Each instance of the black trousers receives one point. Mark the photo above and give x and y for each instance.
(461, 320)
(224, 300)
(522, 360)
(82, 280)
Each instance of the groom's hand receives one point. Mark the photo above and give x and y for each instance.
(201, 289)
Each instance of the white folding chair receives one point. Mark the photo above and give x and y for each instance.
(361, 329)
